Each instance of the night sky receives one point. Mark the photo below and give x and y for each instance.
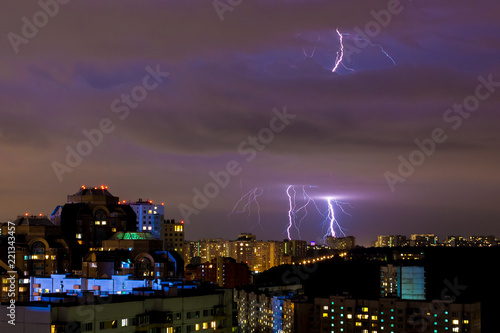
(228, 69)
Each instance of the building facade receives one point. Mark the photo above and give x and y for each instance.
(91, 216)
(173, 236)
(341, 243)
(150, 217)
(207, 311)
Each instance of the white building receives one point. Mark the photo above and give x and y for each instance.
(149, 216)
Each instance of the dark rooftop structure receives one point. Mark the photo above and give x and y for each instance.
(95, 195)
(33, 220)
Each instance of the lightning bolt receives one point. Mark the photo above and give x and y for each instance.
(329, 219)
(309, 42)
(331, 216)
(375, 45)
(340, 54)
(248, 199)
(291, 218)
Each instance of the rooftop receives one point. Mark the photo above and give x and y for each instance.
(131, 235)
(33, 220)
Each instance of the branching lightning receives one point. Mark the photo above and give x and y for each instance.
(291, 213)
(246, 202)
(314, 50)
(329, 220)
(340, 54)
(375, 45)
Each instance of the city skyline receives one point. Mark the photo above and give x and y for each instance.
(358, 102)
(296, 227)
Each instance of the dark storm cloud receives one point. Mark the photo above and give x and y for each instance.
(225, 79)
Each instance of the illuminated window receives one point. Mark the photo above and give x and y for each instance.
(78, 236)
(358, 323)
(325, 307)
(349, 316)
(466, 321)
(103, 222)
(150, 211)
(455, 322)
(144, 228)
(197, 327)
(205, 326)
(374, 317)
(124, 322)
(113, 229)
(325, 314)
(97, 222)
(149, 228)
(364, 309)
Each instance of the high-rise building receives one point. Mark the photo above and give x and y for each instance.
(405, 282)
(260, 311)
(424, 240)
(391, 241)
(341, 243)
(258, 255)
(243, 249)
(90, 216)
(150, 216)
(295, 248)
(344, 314)
(173, 236)
(225, 272)
(480, 241)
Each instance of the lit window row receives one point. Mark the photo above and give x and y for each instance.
(40, 257)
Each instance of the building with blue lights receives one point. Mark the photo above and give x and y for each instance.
(208, 310)
(149, 216)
